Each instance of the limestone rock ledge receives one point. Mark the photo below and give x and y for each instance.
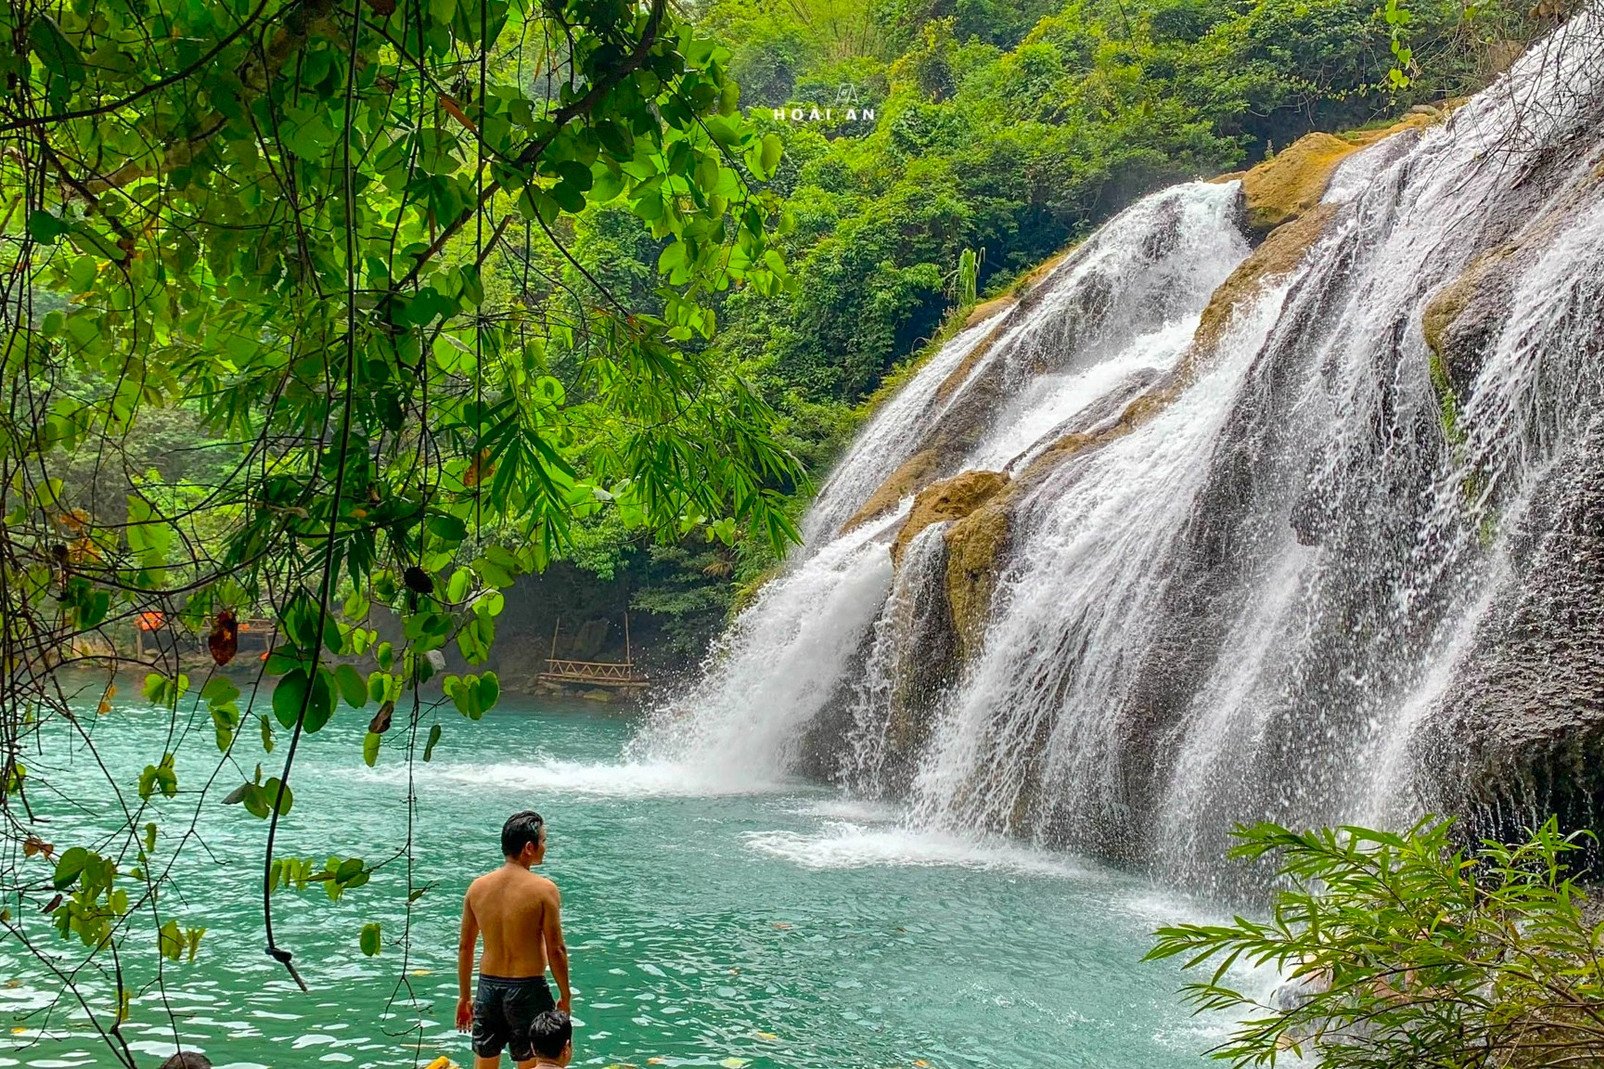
(949, 499)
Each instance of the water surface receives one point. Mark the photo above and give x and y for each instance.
(780, 927)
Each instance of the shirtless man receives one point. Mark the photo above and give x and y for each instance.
(519, 916)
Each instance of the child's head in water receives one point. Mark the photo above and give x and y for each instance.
(551, 1036)
(187, 1060)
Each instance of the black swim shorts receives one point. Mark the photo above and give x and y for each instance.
(503, 1009)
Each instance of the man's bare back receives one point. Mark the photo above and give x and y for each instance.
(515, 912)
(519, 916)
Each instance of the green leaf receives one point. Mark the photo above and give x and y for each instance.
(569, 197)
(489, 690)
(46, 228)
(70, 866)
(289, 696)
(59, 55)
(320, 707)
(448, 528)
(370, 939)
(278, 795)
(370, 748)
(256, 801)
(218, 691)
(170, 941)
(428, 747)
(353, 688)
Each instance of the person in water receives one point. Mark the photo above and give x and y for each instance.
(551, 1037)
(518, 914)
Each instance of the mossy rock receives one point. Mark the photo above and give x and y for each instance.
(975, 548)
(909, 478)
(1278, 255)
(986, 309)
(1287, 185)
(949, 499)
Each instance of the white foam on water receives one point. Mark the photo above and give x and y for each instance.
(606, 779)
(844, 844)
(858, 810)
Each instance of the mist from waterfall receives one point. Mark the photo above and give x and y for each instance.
(1247, 543)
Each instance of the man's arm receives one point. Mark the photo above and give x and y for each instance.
(465, 944)
(557, 950)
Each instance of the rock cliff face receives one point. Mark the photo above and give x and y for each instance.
(950, 499)
(1519, 734)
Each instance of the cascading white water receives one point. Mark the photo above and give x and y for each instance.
(886, 441)
(1249, 601)
(794, 651)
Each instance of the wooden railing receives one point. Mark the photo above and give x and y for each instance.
(566, 671)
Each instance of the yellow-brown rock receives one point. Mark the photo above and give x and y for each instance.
(1277, 255)
(949, 499)
(1289, 184)
(909, 478)
(986, 309)
(975, 547)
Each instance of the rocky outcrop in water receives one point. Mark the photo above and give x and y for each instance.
(975, 556)
(950, 499)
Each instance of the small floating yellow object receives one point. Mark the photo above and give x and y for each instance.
(734, 1063)
(420, 972)
(767, 1037)
(442, 1062)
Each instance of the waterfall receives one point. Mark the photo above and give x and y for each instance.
(1265, 504)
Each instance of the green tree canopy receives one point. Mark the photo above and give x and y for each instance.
(334, 238)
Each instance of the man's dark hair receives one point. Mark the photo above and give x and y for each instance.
(187, 1060)
(550, 1032)
(520, 830)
